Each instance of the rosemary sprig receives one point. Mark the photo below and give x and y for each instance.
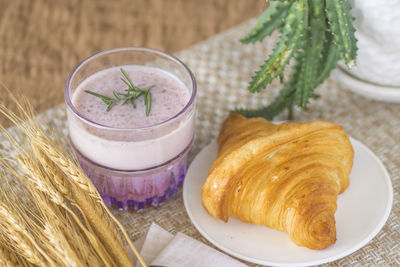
(131, 94)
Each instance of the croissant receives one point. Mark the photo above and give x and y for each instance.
(285, 176)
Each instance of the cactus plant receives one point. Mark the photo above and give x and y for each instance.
(316, 34)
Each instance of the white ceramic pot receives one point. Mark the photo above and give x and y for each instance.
(377, 70)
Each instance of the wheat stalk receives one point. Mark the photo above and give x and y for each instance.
(60, 247)
(15, 232)
(50, 182)
(41, 142)
(85, 196)
(82, 245)
(8, 258)
(47, 230)
(42, 182)
(56, 233)
(30, 217)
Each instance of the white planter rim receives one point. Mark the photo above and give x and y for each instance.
(364, 88)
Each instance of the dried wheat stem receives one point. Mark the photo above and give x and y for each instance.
(8, 258)
(43, 219)
(102, 228)
(49, 231)
(59, 179)
(127, 238)
(41, 142)
(87, 198)
(85, 194)
(18, 236)
(70, 168)
(40, 180)
(57, 190)
(57, 246)
(80, 244)
(50, 227)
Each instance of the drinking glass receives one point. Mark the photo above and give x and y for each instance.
(133, 168)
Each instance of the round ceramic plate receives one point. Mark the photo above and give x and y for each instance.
(362, 211)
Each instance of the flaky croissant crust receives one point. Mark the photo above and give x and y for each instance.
(284, 176)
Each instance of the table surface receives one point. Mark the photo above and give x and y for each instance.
(223, 67)
(41, 41)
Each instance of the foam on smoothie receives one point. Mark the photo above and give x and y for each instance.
(132, 149)
(168, 96)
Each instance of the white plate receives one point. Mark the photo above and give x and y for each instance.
(362, 211)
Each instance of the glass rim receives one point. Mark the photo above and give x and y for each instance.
(68, 101)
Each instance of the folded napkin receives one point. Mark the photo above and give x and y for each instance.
(161, 248)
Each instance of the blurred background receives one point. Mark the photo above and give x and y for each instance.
(42, 40)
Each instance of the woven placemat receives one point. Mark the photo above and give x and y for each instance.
(223, 68)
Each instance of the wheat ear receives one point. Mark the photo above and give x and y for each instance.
(51, 182)
(87, 203)
(76, 174)
(86, 197)
(55, 233)
(81, 245)
(16, 234)
(38, 178)
(8, 258)
(54, 238)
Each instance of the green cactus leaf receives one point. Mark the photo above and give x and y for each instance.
(290, 39)
(319, 33)
(312, 59)
(283, 101)
(271, 19)
(341, 25)
(331, 56)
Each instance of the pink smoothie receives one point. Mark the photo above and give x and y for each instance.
(168, 96)
(152, 141)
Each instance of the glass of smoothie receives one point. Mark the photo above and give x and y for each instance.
(134, 154)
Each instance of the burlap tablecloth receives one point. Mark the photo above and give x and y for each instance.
(223, 68)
